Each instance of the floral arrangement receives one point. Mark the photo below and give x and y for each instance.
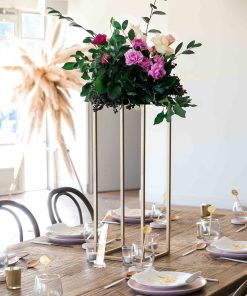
(129, 68)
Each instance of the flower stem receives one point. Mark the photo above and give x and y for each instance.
(151, 14)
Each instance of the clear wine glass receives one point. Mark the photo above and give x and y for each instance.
(48, 285)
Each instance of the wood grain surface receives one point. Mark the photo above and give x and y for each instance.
(80, 278)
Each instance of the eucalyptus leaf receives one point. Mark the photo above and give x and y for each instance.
(153, 6)
(169, 114)
(159, 12)
(154, 31)
(146, 19)
(178, 48)
(188, 51)
(191, 44)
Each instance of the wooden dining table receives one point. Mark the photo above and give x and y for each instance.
(81, 278)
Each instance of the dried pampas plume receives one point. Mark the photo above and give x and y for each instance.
(44, 86)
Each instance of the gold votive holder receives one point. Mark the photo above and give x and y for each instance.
(13, 277)
(204, 210)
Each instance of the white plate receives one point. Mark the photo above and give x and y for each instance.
(158, 224)
(65, 241)
(131, 220)
(161, 279)
(213, 251)
(61, 230)
(231, 246)
(239, 220)
(196, 285)
(131, 213)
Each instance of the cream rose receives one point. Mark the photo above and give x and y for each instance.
(138, 33)
(162, 43)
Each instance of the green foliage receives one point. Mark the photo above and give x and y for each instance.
(111, 83)
(159, 12)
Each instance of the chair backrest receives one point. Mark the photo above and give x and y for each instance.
(6, 205)
(69, 192)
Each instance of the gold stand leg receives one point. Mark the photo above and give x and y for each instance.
(95, 177)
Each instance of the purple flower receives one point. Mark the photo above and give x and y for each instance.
(159, 60)
(157, 71)
(146, 63)
(133, 57)
(139, 43)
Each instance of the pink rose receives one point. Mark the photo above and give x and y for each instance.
(133, 57)
(138, 43)
(157, 71)
(104, 58)
(146, 63)
(99, 39)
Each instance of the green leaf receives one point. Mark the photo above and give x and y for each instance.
(92, 50)
(131, 93)
(113, 91)
(154, 31)
(178, 47)
(188, 51)
(131, 34)
(179, 111)
(69, 66)
(197, 45)
(146, 19)
(159, 12)
(191, 44)
(85, 76)
(125, 24)
(169, 113)
(153, 6)
(116, 25)
(86, 89)
(100, 84)
(87, 40)
(159, 118)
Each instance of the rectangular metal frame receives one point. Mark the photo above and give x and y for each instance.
(122, 182)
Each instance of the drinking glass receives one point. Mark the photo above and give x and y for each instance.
(48, 285)
(91, 251)
(142, 262)
(240, 209)
(210, 229)
(3, 262)
(128, 255)
(151, 242)
(88, 230)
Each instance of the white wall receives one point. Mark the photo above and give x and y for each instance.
(209, 146)
(96, 15)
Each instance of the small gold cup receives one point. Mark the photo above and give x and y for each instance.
(13, 277)
(204, 210)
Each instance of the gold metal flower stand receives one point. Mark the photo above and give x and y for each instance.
(122, 184)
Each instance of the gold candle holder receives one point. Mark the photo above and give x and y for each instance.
(204, 210)
(13, 277)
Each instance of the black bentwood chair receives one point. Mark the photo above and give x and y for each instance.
(73, 194)
(7, 205)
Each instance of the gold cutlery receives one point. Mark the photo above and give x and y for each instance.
(127, 277)
(32, 263)
(199, 246)
(50, 244)
(242, 228)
